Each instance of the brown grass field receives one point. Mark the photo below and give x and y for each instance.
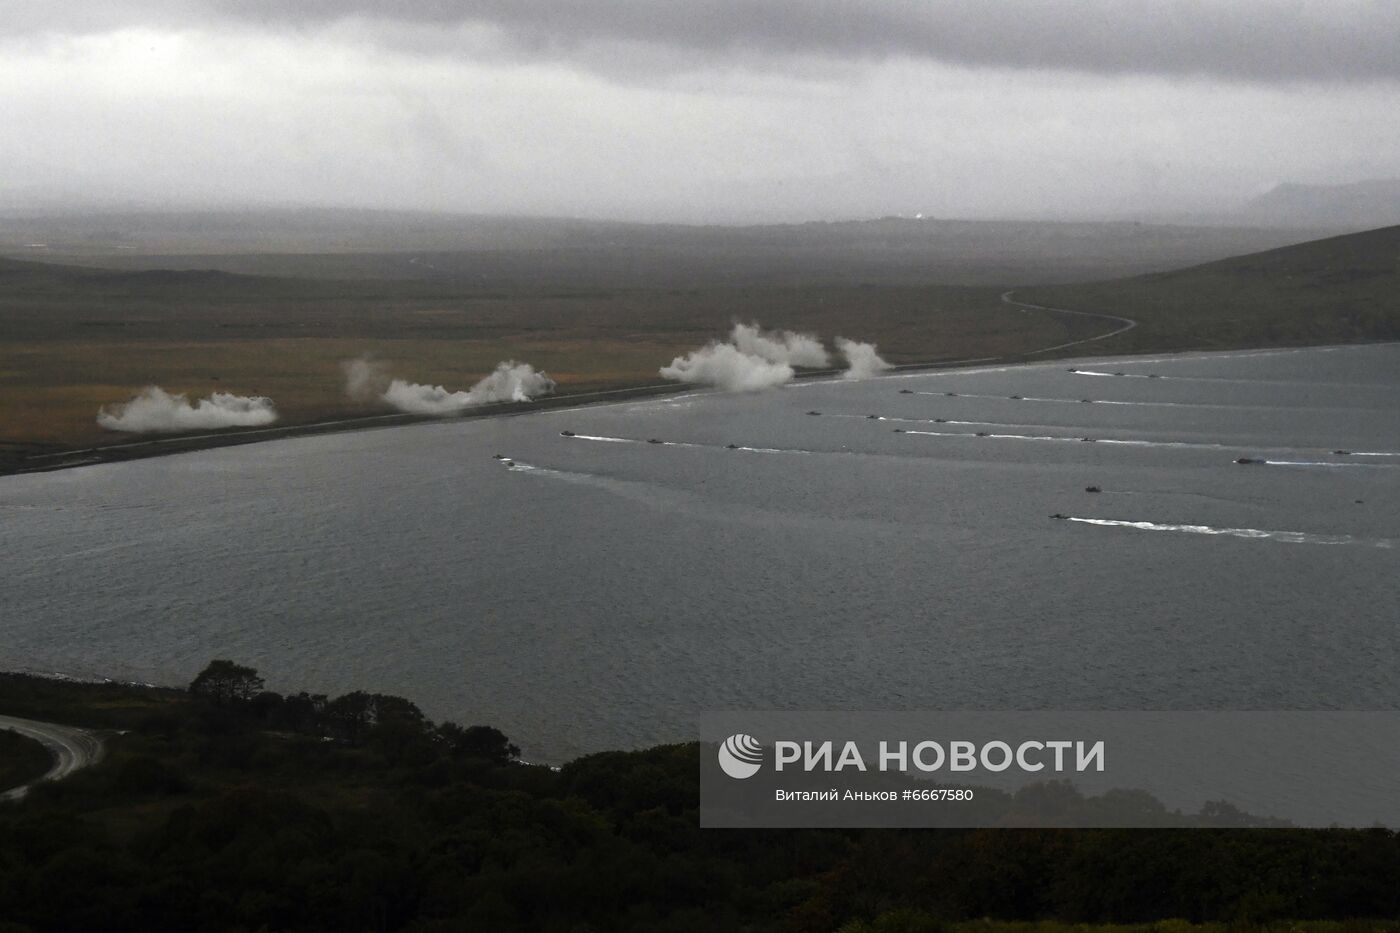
(74, 339)
(71, 358)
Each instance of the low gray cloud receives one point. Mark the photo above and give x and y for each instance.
(1259, 40)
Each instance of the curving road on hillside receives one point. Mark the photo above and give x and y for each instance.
(1125, 323)
(73, 749)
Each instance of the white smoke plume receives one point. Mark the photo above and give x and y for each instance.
(753, 359)
(724, 366)
(862, 361)
(365, 378)
(779, 346)
(156, 411)
(511, 382)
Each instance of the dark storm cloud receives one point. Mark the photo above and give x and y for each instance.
(703, 111)
(1257, 40)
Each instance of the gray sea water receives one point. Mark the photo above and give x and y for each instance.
(597, 591)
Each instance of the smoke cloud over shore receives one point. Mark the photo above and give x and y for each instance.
(510, 382)
(365, 378)
(862, 361)
(779, 346)
(723, 365)
(754, 359)
(368, 379)
(156, 411)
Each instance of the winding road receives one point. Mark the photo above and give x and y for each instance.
(72, 749)
(1126, 323)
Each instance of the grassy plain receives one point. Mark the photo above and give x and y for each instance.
(74, 338)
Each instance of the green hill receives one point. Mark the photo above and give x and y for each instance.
(1341, 289)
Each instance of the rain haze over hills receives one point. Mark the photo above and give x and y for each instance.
(727, 111)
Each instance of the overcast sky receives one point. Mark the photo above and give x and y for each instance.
(696, 110)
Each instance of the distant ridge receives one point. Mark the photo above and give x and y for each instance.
(17, 271)
(1350, 257)
(1361, 205)
(501, 252)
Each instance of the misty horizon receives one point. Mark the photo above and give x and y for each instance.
(1246, 212)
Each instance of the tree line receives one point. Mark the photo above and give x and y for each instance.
(228, 807)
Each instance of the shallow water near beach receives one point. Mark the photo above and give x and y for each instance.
(897, 550)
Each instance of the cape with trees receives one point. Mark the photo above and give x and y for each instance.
(228, 807)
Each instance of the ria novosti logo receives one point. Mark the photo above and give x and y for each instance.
(740, 756)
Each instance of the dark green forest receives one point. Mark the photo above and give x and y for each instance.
(226, 807)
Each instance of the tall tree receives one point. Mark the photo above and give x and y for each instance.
(484, 742)
(225, 682)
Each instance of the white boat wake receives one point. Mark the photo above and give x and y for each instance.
(1253, 534)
